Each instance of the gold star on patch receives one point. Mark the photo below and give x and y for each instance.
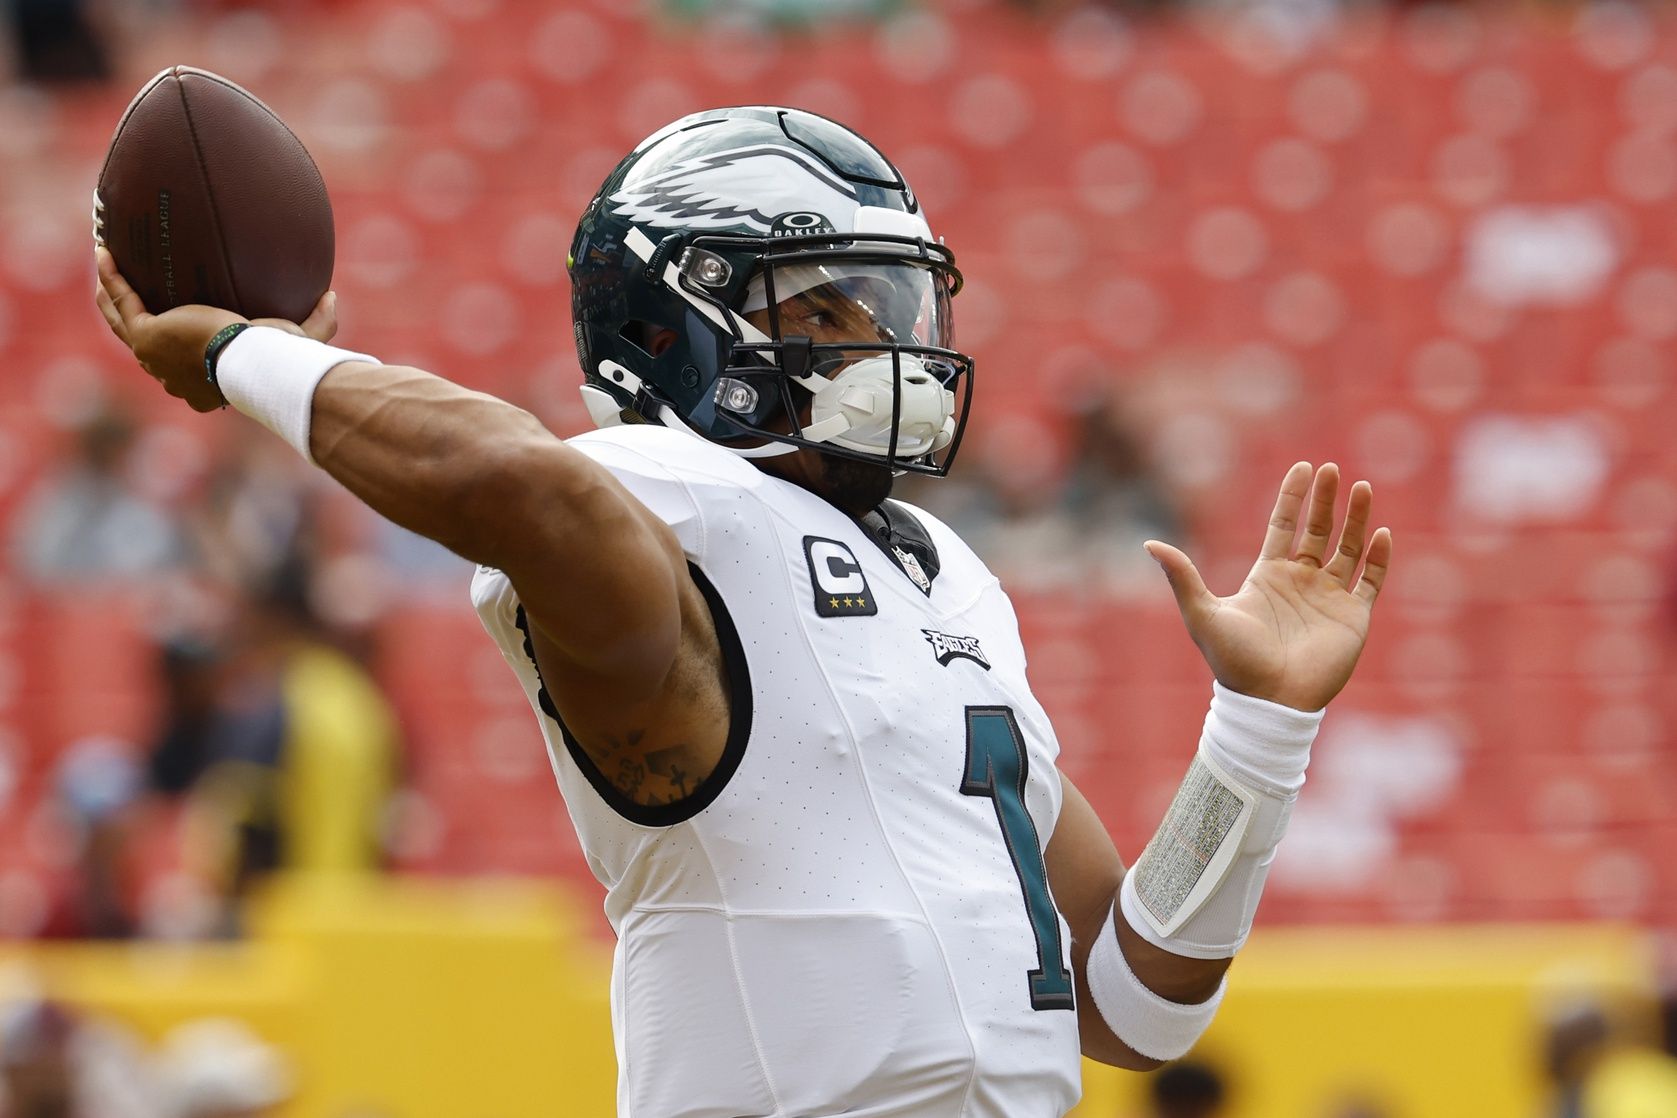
(849, 602)
(861, 603)
(833, 602)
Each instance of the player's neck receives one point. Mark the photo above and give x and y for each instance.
(854, 488)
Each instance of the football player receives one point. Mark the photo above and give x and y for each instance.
(790, 716)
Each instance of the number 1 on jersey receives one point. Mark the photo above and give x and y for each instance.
(997, 768)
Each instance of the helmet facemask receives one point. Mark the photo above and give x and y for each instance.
(844, 346)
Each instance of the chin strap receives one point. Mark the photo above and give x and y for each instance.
(605, 411)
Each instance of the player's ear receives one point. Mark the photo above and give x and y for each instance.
(660, 341)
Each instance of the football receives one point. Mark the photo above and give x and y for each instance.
(207, 197)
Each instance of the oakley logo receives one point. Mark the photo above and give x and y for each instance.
(799, 225)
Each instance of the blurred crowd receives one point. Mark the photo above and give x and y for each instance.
(272, 747)
(1599, 1060)
(1060, 507)
(59, 1062)
(1606, 1061)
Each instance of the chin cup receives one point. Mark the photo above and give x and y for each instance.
(880, 398)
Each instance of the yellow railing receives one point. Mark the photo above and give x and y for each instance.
(429, 999)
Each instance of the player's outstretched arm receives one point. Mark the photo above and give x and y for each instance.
(598, 572)
(1150, 947)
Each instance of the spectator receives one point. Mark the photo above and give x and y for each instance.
(58, 1063)
(1634, 1079)
(1356, 1104)
(282, 743)
(1081, 532)
(280, 748)
(252, 515)
(1601, 1069)
(1114, 500)
(1007, 506)
(1575, 1040)
(218, 1068)
(338, 754)
(782, 12)
(56, 43)
(35, 1058)
(86, 522)
(1186, 1089)
(97, 781)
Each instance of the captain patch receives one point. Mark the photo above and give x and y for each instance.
(841, 590)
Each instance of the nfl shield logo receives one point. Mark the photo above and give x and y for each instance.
(912, 567)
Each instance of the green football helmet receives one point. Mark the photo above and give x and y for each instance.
(686, 261)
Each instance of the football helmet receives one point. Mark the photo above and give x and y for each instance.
(765, 278)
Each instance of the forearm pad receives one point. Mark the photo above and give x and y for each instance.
(1195, 889)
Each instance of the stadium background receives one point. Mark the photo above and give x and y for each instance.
(1434, 244)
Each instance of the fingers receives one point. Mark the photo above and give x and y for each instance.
(280, 324)
(1192, 598)
(1374, 570)
(102, 300)
(1318, 523)
(129, 308)
(322, 323)
(1283, 522)
(1314, 501)
(1343, 565)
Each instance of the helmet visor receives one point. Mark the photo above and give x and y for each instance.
(843, 302)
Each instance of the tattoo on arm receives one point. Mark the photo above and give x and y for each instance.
(613, 745)
(667, 764)
(631, 774)
(662, 776)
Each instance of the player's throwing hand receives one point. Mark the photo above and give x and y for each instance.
(170, 346)
(1293, 631)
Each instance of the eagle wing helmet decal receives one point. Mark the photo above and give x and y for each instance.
(743, 187)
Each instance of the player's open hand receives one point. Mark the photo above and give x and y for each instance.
(170, 346)
(1293, 631)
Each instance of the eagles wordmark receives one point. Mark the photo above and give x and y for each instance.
(946, 648)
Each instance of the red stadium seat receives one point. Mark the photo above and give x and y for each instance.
(1273, 258)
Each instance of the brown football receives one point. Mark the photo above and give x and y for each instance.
(207, 197)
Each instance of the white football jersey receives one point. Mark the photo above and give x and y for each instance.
(852, 915)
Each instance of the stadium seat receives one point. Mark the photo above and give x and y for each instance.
(1274, 253)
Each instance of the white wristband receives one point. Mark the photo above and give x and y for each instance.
(1194, 891)
(270, 375)
(1156, 1027)
(1262, 743)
